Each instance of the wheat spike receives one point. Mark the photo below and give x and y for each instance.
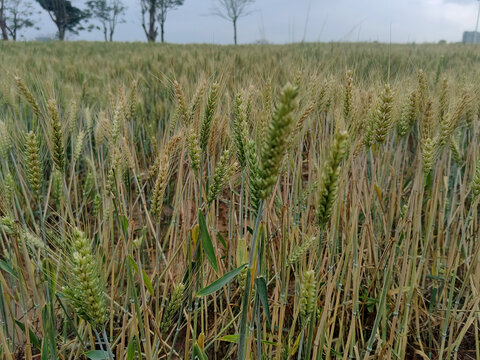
(34, 165)
(84, 286)
(276, 140)
(329, 178)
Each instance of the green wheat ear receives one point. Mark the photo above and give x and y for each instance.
(57, 135)
(276, 139)
(84, 288)
(220, 177)
(194, 151)
(429, 149)
(132, 101)
(241, 258)
(428, 142)
(428, 121)
(210, 109)
(422, 89)
(160, 186)
(308, 293)
(240, 130)
(253, 175)
(267, 109)
(329, 179)
(172, 307)
(449, 123)
(34, 165)
(324, 96)
(476, 181)
(194, 111)
(383, 118)
(79, 145)
(181, 103)
(408, 114)
(8, 225)
(444, 99)
(117, 122)
(5, 143)
(22, 88)
(455, 149)
(300, 250)
(348, 99)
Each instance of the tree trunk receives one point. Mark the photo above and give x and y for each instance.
(235, 31)
(111, 28)
(14, 27)
(152, 32)
(3, 26)
(61, 33)
(3, 23)
(162, 31)
(61, 17)
(105, 33)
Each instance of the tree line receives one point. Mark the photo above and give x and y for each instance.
(105, 15)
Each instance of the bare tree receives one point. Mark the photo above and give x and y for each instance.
(108, 13)
(164, 7)
(232, 10)
(15, 15)
(18, 14)
(156, 10)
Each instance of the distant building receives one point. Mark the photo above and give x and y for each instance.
(469, 37)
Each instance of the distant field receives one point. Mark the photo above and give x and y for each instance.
(304, 201)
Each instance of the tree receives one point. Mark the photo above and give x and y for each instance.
(3, 21)
(18, 16)
(149, 6)
(157, 11)
(65, 16)
(109, 13)
(164, 7)
(232, 10)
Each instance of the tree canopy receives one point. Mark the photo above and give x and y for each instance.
(65, 16)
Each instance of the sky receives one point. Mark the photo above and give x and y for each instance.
(284, 21)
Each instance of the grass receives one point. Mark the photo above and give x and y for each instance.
(279, 202)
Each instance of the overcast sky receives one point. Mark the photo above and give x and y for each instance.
(282, 21)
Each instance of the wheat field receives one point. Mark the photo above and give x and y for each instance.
(304, 201)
